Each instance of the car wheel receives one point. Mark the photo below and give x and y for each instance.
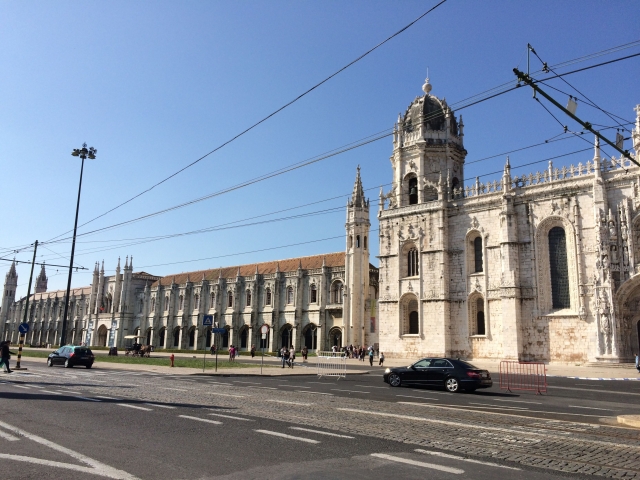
(89, 365)
(394, 380)
(67, 364)
(452, 385)
(49, 362)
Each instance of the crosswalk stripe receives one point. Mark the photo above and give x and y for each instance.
(290, 437)
(416, 463)
(135, 406)
(232, 417)
(206, 420)
(320, 432)
(470, 460)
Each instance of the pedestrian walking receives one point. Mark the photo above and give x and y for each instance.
(284, 355)
(5, 355)
(381, 359)
(253, 351)
(371, 357)
(232, 353)
(305, 353)
(292, 356)
(638, 362)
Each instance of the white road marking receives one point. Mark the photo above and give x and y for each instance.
(290, 403)
(370, 386)
(413, 396)
(496, 407)
(231, 416)
(135, 406)
(320, 432)
(431, 391)
(418, 464)
(290, 437)
(515, 401)
(470, 460)
(108, 398)
(49, 391)
(350, 391)
(22, 386)
(313, 393)
(37, 386)
(252, 383)
(158, 405)
(87, 398)
(99, 468)
(589, 408)
(322, 383)
(226, 394)
(8, 437)
(206, 420)
(69, 391)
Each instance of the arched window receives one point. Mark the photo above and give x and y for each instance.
(410, 313)
(212, 300)
(153, 304)
(412, 262)
(181, 302)
(192, 337)
(559, 268)
(480, 327)
(248, 298)
(267, 297)
(413, 191)
(229, 299)
(166, 303)
(365, 242)
(289, 295)
(338, 291)
(477, 254)
(313, 294)
(357, 241)
(413, 323)
(196, 301)
(176, 337)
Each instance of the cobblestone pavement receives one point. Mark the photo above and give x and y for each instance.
(502, 434)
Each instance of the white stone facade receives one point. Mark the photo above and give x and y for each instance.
(467, 271)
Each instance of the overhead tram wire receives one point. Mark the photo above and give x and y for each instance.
(285, 170)
(275, 112)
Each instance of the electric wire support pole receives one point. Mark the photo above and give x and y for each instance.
(83, 153)
(26, 310)
(523, 77)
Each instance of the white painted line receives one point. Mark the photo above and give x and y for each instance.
(135, 406)
(22, 386)
(8, 437)
(69, 391)
(108, 398)
(87, 398)
(177, 389)
(470, 460)
(350, 391)
(370, 386)
(313, 393)
(415, 463)
(320, 432)
(496, 407)
(206, 420)
(589, 408)
(515, 401)
(413, 396)
(321, 383)
(158, 405)
(37, 386)
(49, 391)
(289, 403)
(299, 386)
(230, 416)
(431, 391)
(98, 468)
(226, 394)
(252, 383)
(290, 437)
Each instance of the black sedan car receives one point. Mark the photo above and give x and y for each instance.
(70, 356)
(452, 374)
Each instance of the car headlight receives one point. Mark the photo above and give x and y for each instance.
(388, 370)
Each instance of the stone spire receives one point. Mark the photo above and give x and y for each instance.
(357, 198)
(126, 263)
(131, 263)
(12, 270)
(596, 148)
(41, 281)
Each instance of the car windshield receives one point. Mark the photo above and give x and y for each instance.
(467, 364)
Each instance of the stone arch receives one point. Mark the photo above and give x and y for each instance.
(545, 303)
(627, 301)
(410, 259)
(476, 314)
(162, 337)
(148, 336)
(409, 314)
(475, 237)
(335, 337)
(286, 335)
(310, 336)
(337, 291)
(192, 337)
(102, 336)
(410, 189)
(175, 343)
(244, 338)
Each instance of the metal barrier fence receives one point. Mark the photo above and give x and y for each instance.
(529, 376)
(332, 364)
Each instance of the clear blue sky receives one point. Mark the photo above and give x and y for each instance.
(155, 85)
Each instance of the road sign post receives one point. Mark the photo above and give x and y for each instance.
(264, 330)
(23, 328)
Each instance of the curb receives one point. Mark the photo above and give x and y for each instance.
(267, 375)
(629, 420)
(628, 379)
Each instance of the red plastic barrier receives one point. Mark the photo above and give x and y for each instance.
(529, 376)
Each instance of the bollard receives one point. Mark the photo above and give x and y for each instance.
(171, 357)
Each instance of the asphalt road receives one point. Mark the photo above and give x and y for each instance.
(78, 423)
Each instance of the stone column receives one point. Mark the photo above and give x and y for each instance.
(231, 336)
(294, 337)
(180, 331)
(320, 343)
(250, 340)
(195, 338)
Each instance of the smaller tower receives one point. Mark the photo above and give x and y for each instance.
(41, 281)
(356, 264)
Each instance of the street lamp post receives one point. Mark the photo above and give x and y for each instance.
(83, 153)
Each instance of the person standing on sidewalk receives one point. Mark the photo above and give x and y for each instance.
(305, 353)
(5, 355)
(253, 351)
(638, 362)
(381, 359)
(284, 355)
(292, 356)
(371, 357)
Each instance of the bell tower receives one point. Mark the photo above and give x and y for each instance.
(41, 281)
(356, 264)
(9, 292)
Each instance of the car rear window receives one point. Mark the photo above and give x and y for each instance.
(467, 364)
(82, 351)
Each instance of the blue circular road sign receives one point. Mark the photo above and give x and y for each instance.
(23, 328)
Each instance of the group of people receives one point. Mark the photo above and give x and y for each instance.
(288, 356)
(5, 355)
(359, 353)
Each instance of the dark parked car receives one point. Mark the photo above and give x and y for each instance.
(70, 356)
(454, 375)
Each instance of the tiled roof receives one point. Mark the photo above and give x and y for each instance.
(287, 265)
(59, 294)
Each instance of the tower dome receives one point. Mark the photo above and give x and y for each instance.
(430, 111)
